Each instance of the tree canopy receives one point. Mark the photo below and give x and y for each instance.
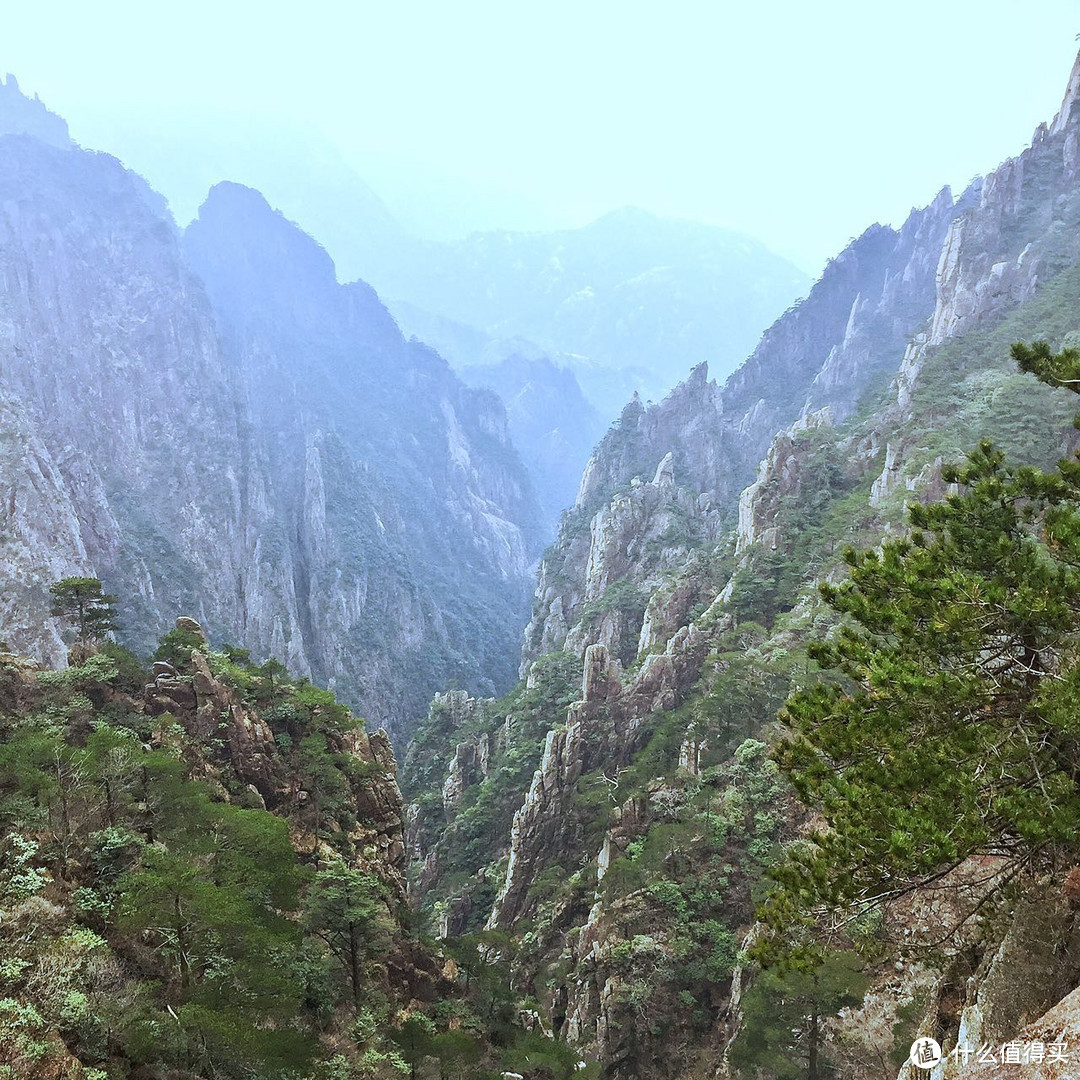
(951, 729)
(84, 603)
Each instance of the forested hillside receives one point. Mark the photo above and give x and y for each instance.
(202, 875)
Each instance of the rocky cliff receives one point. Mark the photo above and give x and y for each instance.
(273, 456)
(20, 115)
(883, 306)
(396, 484)
(843, 341)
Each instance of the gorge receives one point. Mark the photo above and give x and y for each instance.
(552, 848)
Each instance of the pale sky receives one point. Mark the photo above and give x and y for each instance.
(798, 123)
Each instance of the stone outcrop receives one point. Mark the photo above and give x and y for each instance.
(42, 535)
(880, 308)
(777, 482)
(601, 732)
(814, 364)
(853, 325)
(20, 115)
(467, 767)
(552, 424)
(227, 733)
(645, 531)
(1020, 231)
(1058, 1028)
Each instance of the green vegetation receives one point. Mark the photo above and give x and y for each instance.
(969, 391)
(811, 524)
(147, 922)
(951, 732)
(84, 603)
(927, 659)
(473, 833)
(156, 919)
(624, 601)
(782, 1033)
(930, 659)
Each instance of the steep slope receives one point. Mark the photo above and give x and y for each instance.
(551, 424)
(295, 474)
(413, 516)
(296, 168)
(116, 913)
(840, 343)
(626, 866)
(110, 350)
(20, 115)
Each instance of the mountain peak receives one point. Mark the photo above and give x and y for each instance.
(228, 193)
(1072, 94)
(21, 115)
(236, 218)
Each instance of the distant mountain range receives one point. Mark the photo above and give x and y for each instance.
(629, 303)
(630, 300)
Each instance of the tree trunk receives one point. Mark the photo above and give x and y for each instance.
(812, 1049)
(354, 964)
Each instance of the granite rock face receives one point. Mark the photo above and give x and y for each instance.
(392, 476)
(1021, 232)
(849, 332)
(264, 451)
(815, 363)
(552, 424)
(227, 732)
(601, 731)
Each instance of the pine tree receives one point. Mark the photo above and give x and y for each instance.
(951, 728)
(346, 909)
(83, 602)
(782, 1030)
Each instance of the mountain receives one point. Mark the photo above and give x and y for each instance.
(551, 423)
(188, 752)
(203, 876)
(628, 303)
(552, 419)
(20, 115)
(300, 172)
(630, 292)
(619, 815)
(263, 450)
(850, 333)
(632, 300)
(202, 865)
